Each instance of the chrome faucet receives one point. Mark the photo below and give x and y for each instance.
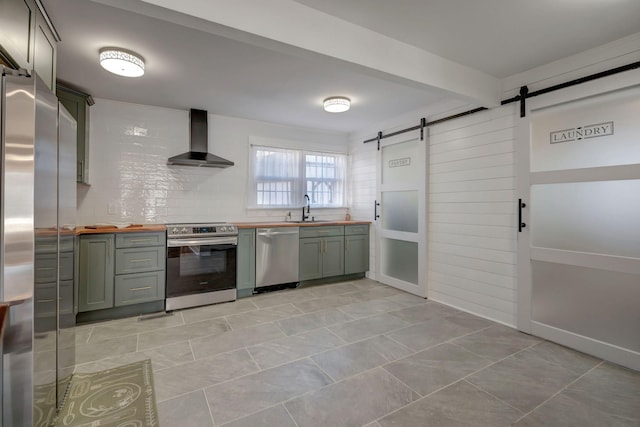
(305, 217)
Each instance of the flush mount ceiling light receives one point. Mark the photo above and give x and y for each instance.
(121, 62)
(337, 104)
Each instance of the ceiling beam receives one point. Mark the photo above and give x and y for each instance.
(291, 27)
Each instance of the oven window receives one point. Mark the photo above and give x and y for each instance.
(196, 260)
(197, 269)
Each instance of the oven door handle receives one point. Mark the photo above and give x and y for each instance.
(177, 243)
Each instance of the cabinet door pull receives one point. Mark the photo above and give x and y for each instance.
(45, 300)
(141, 260)
(45, 268)
(346, 245)
(141, 240)
(140, 289)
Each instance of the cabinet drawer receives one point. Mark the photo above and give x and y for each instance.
(139, 287)
(352, 230)
(46, 267)
(322, 231)
(137, 260)
(136, 240)
(45, 299)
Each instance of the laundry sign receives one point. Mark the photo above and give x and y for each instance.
(581, 132)
(395, 163)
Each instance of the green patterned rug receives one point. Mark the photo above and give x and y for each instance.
(118, 397)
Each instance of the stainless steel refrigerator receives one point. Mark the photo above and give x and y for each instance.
(37, 232)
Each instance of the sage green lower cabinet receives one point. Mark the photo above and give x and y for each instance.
(121, 269)
(310, 258)
(356, 249)
(95, 281)
(139, 287)
(246, 262)
(321, 252)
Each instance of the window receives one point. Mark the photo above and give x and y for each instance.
(281, 177)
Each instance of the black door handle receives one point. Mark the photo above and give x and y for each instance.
(375, 210)
(521, 224)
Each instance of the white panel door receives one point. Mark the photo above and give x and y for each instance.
(401, 225)
(579, 250)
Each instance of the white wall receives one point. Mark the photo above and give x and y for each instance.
(472, 182)
(131, 183)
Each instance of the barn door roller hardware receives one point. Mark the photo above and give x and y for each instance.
(522, 96)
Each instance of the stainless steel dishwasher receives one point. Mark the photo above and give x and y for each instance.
(277, 256)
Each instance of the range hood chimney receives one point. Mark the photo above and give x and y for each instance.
(198, 136)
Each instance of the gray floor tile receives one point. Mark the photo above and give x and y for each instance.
(213, 311)
(523, 380)
(234, 340)
(496, 342)
(378, 293)
(361, 356)
(332, 289)
(161, 358)
(373, 424)
(458, 405)
(367, 284)
(576, 362)
(423, 312)
(285, 350)
(186, 332)
(245, 395)
(429, 370)
(202, 373)
(367, 327)
(369, 308)
(407, 300)
(133, 325)
(298, 324)
(276, 416)
(257, 317)
(101, 350)
(324, 303)
(565, 411)
(272, 299)
(190, 410)
(426, 334)
(355, 401)
(611, 389)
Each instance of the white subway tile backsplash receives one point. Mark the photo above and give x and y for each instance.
(131, 182)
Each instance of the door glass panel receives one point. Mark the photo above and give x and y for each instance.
(596, 217)
(400, 260)
(595, 303)
(400, 211)
(400, 165)
(596, 131)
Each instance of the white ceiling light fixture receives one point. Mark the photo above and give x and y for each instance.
(121, 62)
(337, 104)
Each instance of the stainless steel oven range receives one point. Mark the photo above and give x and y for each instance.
(201, 264)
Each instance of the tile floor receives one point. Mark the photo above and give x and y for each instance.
(358, 354)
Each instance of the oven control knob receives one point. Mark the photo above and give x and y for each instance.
(184, 230)
(174, 231)
(223, 229)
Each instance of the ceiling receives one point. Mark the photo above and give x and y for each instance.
(228, 75)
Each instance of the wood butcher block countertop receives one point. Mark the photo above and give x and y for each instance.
(296, 224)
(133, 228)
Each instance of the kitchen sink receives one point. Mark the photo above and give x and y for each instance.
(311, 222)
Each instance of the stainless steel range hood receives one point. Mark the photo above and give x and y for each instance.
(198, 136)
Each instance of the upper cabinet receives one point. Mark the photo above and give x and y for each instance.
(77, 103)
(17, 29)
(44, 53)
(27, 39)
